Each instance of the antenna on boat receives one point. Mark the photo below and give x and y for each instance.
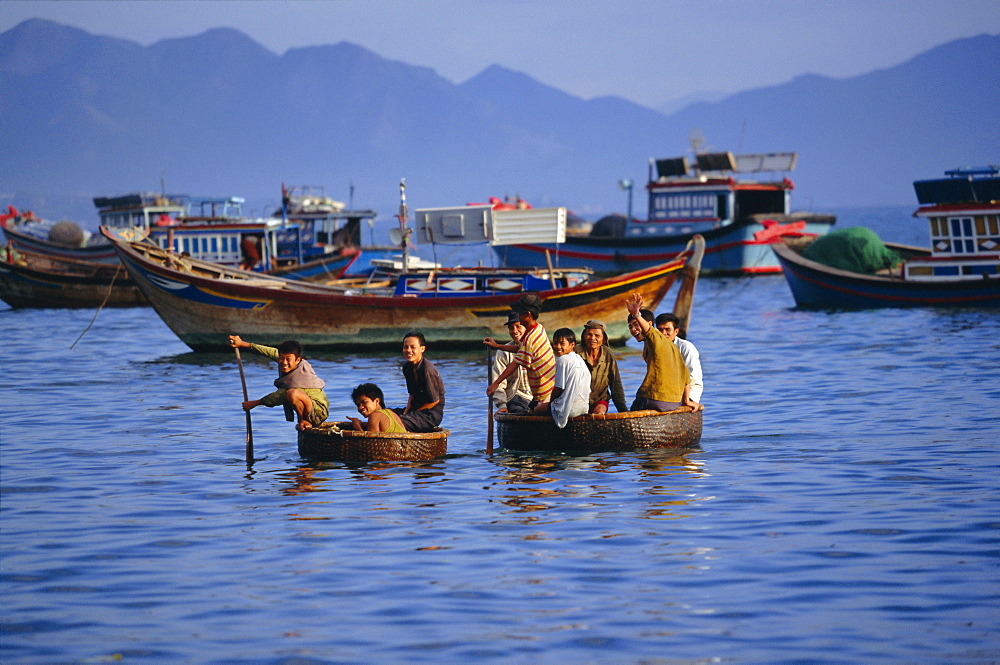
(404, 232)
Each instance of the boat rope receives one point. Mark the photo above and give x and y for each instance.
(106, 298)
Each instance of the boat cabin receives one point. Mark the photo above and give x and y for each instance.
(326, 224)
(713, 193)
(139, 210)
(209, 229)
(963, 215)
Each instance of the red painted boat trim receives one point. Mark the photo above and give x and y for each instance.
(968, 208)
(633, 256)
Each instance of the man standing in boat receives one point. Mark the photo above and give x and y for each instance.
(514, 394)
(533, 352)
(667, 383)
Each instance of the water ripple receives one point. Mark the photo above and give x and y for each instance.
(842, 507)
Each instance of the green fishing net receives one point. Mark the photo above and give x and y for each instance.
(854, 248)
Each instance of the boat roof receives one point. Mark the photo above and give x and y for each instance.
(718, 168)
(139, 199)
(721, 164)
(979, 184)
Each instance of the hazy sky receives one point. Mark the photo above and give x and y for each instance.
(648, 51)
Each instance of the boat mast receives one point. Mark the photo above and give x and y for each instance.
(404, 231)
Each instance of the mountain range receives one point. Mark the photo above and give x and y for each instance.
(217, 114)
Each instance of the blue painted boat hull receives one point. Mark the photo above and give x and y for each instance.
(729, 250)
(815, 286)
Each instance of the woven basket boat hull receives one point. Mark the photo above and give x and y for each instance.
(333, 442)
(632, 430)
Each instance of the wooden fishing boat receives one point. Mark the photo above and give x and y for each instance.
(606, 432)
(210, 229)
(720, 196)
(30, 280)
(215, 230)
(961, 269)
(203, 303)
(61, 239)
(336, 441)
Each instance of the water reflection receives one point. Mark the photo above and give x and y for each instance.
(305, 478)
(532, 484)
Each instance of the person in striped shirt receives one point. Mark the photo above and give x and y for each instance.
(533, 352)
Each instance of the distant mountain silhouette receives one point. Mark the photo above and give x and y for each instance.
(218, 114)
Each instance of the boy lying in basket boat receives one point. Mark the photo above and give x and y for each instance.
(667, 383)
(371, 404)
(299, 390)
(571, 394)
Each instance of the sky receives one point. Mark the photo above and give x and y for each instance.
(652, 52)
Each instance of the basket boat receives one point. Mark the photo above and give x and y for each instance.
(335, 441)
(607, 432)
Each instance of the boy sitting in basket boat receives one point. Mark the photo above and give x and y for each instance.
(667, 383)
(571, 394)
(299, 390)
(371, 404)
(425, 404)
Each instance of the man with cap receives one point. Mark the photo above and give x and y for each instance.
(514, 394)
(533, 352)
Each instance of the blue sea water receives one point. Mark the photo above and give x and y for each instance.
(843, 507)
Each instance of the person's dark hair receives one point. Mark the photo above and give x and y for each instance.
(530, 303)
(668, 316)
(369, 390)
(290, 346)
(644, 313)
(419, 335)
(564, 333)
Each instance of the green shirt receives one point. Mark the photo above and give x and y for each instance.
(666, 373)
(605, 381)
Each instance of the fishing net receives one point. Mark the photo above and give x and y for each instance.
(854, 248)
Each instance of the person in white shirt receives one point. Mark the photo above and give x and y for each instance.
(571, 395)
(514, 393)
(670, 326)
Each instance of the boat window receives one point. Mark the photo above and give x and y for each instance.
(684, 206)
(757, 202)
(962, 240)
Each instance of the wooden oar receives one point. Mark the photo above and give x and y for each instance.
(489, 418)
(246, 398)
(689, 279)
